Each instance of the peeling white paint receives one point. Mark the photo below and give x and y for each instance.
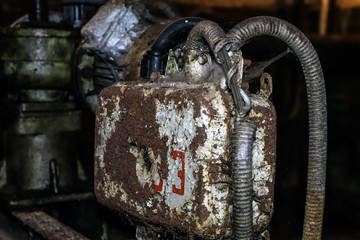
(148, 91)
(215, 129)
(262, 171)
(216, 202)
(107, 126)
(140, 209)
(112, 189)
(176, 122)
(257, 101)
(144, 175)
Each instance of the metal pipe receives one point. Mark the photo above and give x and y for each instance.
(241, 151)
(305, 52)
(323, 20)
(52, 199)
(47, 226)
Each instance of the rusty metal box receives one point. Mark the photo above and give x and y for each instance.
(162, 155)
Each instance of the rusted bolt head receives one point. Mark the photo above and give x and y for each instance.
(202, 59)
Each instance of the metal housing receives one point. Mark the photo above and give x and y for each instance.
(162, 155)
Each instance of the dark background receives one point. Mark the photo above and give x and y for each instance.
(339, 52)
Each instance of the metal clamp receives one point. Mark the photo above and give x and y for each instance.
(241, 100)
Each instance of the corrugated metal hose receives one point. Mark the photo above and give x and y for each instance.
(243, 132)
(305, 52)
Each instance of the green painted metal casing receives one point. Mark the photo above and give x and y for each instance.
(34, 58)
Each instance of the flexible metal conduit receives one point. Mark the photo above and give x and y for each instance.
(205, 31)
(305, 52)
(241, 152)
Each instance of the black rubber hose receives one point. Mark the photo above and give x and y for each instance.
(155, 59)
(241, 151)
(305, 52)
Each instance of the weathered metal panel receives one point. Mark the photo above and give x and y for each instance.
(36, 58)
(263, 162)
(40, 148)
(162, 155)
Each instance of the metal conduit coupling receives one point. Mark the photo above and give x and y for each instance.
(208, 33)
(306, 54)
(241, 151)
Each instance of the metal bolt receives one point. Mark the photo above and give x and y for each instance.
(202, 59)
(177, 52)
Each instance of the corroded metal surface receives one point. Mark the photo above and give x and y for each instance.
(47, 226)
(32, 146)
(141, 45)
(162, 155)
(264, 157)
(36, 58)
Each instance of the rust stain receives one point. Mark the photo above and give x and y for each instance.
(264, 158)
(47, 226)
(141, 45)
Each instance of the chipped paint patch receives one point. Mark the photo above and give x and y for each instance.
(112, 189)
(148, 91)
(263, 161)
(261, 169)
(176, 122)
(146, 169)
(107, 127)
(260, 102)
(216, 200)
(215, 128)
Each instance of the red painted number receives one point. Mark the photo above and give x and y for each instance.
(181, 173)
(159, 186)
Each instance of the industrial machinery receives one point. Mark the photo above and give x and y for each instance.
(184, 143)
(41, 122)
(185, 132)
